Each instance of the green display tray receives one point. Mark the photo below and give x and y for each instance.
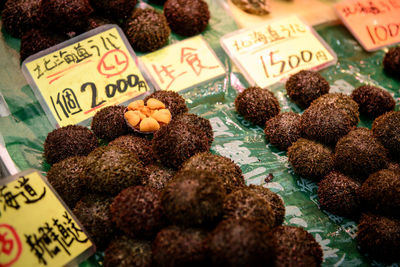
(25, 130)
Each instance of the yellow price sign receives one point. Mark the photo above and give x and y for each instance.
(36, 229)
(183, 65)
(274, 50)
(76, 78)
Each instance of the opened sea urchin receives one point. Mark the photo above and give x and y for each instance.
(173, 101)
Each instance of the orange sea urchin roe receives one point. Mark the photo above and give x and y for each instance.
(147, 118)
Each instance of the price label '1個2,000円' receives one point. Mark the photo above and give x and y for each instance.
(76, 78)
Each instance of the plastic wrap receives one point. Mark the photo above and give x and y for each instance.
(25, 130)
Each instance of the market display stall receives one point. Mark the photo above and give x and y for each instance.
(25, 125)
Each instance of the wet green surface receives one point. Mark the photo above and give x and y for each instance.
(25, 130)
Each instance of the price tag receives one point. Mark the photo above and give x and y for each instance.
(374, 23)
(274, 50)
(183, 65)
(74, 79)
(36, 229)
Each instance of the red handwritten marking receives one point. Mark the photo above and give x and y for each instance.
(91, 110)
(64, 70)
(55, 79)
(9, 249)
(115, 66)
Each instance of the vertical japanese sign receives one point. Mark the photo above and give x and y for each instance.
(274, 50)
(183, 65)
(374, 23)
(36, 229)
(76, 78)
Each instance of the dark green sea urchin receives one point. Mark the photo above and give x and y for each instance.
(257, 105)
(114, 9)
(138, 145)
(137, 211)
(109, 123)
(294, 246)
(391, 62)
(381, 192)
(310, 159)
(93, 211)
(228, 171)
(65, 15)
(64, 176)
(283, 130)
(373, 101)
(157, 176)
(68, 141)
(379, 237)
(147, 30)
(338, 194)
(127, 252)
(193, 198)
(110, 169)
(360, 154)
(342, 102)
(187, 17)
(325, 124)
(176, 142)
(20, 16)
(177, 247)
(240, 243)
(273, 199)
(37, 40)
(246, 204)
(386, 129)
(306, 86)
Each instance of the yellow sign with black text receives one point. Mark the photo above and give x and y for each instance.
(36, 229)
(76, 78)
